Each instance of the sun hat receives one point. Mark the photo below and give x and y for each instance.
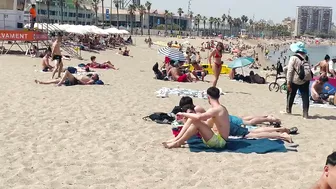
(298, 47)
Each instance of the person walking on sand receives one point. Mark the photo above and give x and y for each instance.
(200, 123)
(217, 64)
(57, 56)
(298, 77)
(328, 178)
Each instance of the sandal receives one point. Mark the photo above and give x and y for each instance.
(293, 131)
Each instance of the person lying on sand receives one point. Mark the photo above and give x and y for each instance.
(328, 178)
(46, 67)
(107, 64)
(197, 123)
(68, 79)
(177, 75)
(198, 71)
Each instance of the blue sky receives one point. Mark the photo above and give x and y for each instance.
(275, 10)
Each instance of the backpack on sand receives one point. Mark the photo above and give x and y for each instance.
(304, 72)
(160, 117)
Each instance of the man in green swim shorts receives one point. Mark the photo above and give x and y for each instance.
(201, 123)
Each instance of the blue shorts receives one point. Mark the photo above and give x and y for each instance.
(199, 74)
(236, 128)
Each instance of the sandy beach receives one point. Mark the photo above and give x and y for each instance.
(94, 136)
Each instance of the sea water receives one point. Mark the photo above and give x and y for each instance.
(315, 54)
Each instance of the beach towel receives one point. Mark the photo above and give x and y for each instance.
(298, 100)
(246, 146)
(165, 92)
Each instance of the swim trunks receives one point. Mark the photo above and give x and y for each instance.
(57, 57)
(236, 128)
(216, 141)
(183, 78)
(67, 82)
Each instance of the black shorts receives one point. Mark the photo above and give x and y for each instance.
(57, 57)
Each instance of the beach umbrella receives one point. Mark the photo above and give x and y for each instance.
(241, 62)
(172, 53)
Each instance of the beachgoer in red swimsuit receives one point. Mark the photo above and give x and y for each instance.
(217, 64)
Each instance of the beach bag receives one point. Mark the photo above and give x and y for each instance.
(304, 72)
(72, 70)
(160, 117)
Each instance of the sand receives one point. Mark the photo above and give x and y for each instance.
(94, 137)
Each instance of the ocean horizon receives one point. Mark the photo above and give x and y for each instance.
(315, 54)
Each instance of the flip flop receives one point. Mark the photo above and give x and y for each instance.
(276, 125)
(293, 131)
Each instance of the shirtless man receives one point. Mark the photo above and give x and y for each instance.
(317, 88)
(328, 178)
(200, 123)
(198, 70)
(178, 76)
(46, 67)
(324, 66)
(68, 79)
(57, 56)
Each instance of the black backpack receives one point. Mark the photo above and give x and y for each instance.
(160, 117)
(304, 71)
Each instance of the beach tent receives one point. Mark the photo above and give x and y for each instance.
(124, 32)
(113, 31)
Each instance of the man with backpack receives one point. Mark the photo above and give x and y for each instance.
(298, 77)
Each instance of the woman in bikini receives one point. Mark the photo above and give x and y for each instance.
(217, 64)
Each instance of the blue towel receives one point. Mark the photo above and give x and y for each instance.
(246, 146)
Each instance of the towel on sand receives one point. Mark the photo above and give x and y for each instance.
(246, 146)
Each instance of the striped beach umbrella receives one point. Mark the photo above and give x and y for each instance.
(172, 53)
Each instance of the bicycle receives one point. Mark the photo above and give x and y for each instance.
(276, 87)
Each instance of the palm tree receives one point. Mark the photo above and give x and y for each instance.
(244, 20)
(180, 12)
(197, 21)
(48, 9)
(166, 14)
(116, 4)
(103, 12)
(204, 19)
(219, 20)
(142, 11)
(230, 22)
(237, 23)
(191, 15)
(251, 26)
(131, 9)
(95, 8)
(148, 6)
(171, 14)
(223, 23)
(77, 4)
(211, 21)
(62, 14)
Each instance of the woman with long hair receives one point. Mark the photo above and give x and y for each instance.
(217, 64)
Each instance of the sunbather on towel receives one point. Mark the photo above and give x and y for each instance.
(68, 79)
(107, 64)
(196, 123)
(328, 178)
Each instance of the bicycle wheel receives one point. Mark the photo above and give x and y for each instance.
(274, 87)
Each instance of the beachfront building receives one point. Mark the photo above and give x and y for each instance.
(155, 20)
(313, 19)
(289, 23)
(85, 14)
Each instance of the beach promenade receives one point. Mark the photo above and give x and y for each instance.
(94, 136)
